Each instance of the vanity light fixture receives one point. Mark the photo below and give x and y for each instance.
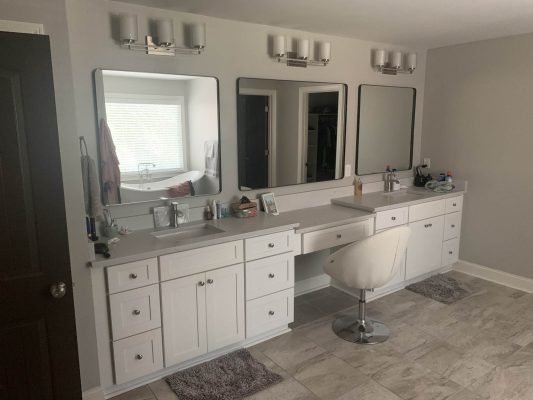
(163, 43)
(300, 57)
(393, 63)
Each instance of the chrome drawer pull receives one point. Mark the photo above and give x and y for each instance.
(271, 245)
(271, 313)
(455, 204)
(428, 225)
(453, 226)
(271, 275)
(393, 218)
(136, 312)
(210, 281)
(339, 236)
(450, 252)
(139, 357)
(133, 276)
(201, 283)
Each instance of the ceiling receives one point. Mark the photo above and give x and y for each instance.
(428, 23)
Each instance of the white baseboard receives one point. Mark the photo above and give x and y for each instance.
(494, 275)
(311, 284)
(95, 393)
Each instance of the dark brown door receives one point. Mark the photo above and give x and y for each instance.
(38, 350)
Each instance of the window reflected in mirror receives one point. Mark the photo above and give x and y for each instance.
(162, 132)
(385, 128)
(289, 132)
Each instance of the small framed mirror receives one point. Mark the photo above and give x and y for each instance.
(289, 132)
(385, 128)
(161, 131)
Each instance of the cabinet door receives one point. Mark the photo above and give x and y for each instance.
(184, 325)
(225, 306)
(425, 246)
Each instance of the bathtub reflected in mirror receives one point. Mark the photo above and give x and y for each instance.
(158, 136)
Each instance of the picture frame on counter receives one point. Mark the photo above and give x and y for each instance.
(269, 203)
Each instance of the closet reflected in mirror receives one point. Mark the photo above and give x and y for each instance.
(289, 132)
(160, 132)
(385, 128)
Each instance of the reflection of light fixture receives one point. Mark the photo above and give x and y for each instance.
(300, 57)
(164, 45)
(393, 64)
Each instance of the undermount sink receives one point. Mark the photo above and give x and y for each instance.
(401, 193)
(187, 232)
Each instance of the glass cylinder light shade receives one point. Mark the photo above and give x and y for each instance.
(303, 49)
(128, 28)
(198, 36)
(411, 61)
(165, 33)
(396, 60)
(325, 51)
(380, 58)
(278, 46)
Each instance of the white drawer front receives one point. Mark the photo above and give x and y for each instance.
(331, 237)
(268, 245)
(452, 225)
(192, 262)
(137, 356)
(454, 204)
(390, 218)
(427, 210)
(450, 252)
(135, 311)
(269, 312)
(132, 275)
(269, 275)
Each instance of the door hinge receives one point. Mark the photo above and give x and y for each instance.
(266, 109)
(267, 152)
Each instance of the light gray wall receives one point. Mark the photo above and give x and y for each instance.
(52, 15)
(477, 122)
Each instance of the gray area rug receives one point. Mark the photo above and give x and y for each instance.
(441, 288)
(230, 377)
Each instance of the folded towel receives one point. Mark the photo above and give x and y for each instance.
(211, 158)
(109, 166)
(91, 187)
(181, 190)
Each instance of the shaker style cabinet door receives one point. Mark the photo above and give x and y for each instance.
(184, 324)
(425, 246)
(225, 306)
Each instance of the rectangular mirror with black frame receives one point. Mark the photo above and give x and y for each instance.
(385, 128)
(160, 132)
(289, 132)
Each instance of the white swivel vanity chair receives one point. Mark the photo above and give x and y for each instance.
(364, 265)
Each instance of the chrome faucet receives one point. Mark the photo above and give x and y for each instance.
(390, 178)
(176, 214)
(144, 172)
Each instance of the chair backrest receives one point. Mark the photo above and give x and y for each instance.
(371, 262)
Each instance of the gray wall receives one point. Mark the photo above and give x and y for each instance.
(477, 121)
(51, 14)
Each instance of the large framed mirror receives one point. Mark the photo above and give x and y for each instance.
(289, 132)
(385, 128)
(161, 131)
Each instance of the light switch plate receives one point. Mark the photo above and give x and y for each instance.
(427, 161)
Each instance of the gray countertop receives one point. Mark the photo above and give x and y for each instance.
(142, 244)
(380, 201)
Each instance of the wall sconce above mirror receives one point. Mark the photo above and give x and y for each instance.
(163, 42)
(385, 128)
(300, 57)
(393, 63)
(161, 131)
(289, 132)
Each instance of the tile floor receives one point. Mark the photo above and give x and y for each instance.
(478, 348)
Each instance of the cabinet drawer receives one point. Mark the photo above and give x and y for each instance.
(450, 252)
(269, 312)
(331, 237)
(135, 311)
(454, 204)
(269, 275)
(268, 245)
(132, 275)
(452, 225)
(427, 210)
(192, 262)
(137, 356)
(390, 218)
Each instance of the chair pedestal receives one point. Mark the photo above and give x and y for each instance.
(359, 329)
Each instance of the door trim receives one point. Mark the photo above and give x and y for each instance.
(272, 125)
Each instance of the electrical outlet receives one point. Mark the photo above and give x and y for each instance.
(427, 161)
(348, 170)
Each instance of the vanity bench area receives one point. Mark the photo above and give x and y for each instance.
(164, 303)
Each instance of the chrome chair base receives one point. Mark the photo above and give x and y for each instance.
(351, 329)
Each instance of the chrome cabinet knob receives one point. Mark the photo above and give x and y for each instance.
(271, 245)
(201, 283)
(453, 226)
(136, 312)
(139, 357)
(393, 218)
(58, 290)
(339, 236)
(133, 276)
(455, 204)
(271, 312)
(210, 281)
(271, 275)
(450, 252)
